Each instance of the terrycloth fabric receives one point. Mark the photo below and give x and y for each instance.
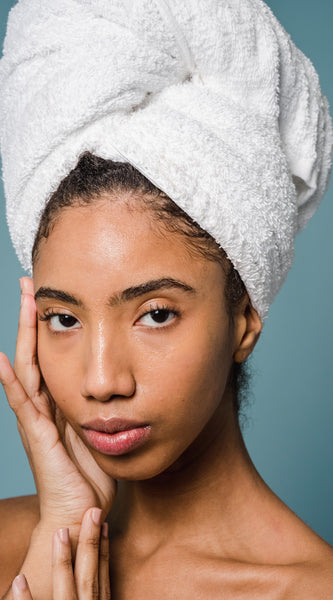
(208, 98)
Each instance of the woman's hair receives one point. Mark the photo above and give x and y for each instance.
(94, 176)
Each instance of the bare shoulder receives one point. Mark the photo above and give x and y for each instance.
(308, 575)
(304, 581)
(307, 581)
(309, 578)
(312, 577)
(18, 518)
(320, 577)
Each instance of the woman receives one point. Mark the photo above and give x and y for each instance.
(142, 322)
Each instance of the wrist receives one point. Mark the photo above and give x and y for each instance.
(46, 528)
(37, 565)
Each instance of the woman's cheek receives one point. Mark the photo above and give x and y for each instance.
(58, 365)
(190, 378)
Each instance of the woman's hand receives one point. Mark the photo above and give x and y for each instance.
(68, 479)
(89, 580)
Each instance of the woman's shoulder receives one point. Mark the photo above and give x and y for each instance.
(18, 518)
(311, 580)
(310, 575)
(306, 574)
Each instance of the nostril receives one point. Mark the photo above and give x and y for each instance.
(108, 397)
(114, 387)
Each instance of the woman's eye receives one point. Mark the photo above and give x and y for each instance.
(63, 322)
(157, 317)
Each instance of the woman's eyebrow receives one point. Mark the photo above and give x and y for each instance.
(149, 286)
(120, 297)
(51, 293)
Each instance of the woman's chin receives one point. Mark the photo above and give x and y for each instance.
(130, 467)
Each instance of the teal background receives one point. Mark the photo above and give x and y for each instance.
(289, 421)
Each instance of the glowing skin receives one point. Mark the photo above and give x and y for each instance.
(135, 346)
(115, 358)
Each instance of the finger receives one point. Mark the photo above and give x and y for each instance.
(87, 555)
(25, 410)
(20, 588)
(18, 400)
(12, 387)
(26, 364)
(62, 569)
(27, 285)
(26, 360)
(104, 565)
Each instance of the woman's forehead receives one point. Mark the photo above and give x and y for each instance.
(109, 241)
(112, 228)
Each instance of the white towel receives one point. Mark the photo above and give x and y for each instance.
(209, 99)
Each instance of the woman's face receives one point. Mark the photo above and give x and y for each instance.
(134, 336)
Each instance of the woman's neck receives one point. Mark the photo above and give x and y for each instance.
(211, 492)
(211, 501)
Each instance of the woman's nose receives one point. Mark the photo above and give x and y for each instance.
(108, 373)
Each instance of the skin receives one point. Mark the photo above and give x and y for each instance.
(90, 575)
(191, 518)
(159, 375)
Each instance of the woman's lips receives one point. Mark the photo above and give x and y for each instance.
(115, 436)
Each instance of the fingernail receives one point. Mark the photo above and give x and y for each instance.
(96, 515)
(20, 582)
(105, 530)
(63, 534)
(23, 285)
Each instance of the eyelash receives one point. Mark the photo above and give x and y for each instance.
(163, 307)
(47, 316)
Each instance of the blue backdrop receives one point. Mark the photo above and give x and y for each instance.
(290, 416)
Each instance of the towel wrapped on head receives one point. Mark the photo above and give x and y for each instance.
(210, 99)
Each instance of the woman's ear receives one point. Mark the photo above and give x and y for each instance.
(248, 326)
